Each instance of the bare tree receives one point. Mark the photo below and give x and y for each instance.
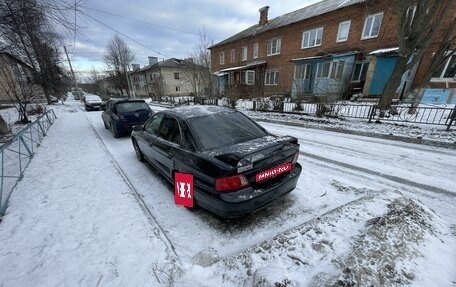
(118, 57)
(418, 21)
(157, 86)
(16, 84)
(27, 30)
(199, 74)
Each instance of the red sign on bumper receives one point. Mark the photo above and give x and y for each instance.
(183, 189)
(273, 172)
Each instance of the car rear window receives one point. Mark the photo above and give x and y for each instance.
(93, 98)
(221, 129)
(126, 107)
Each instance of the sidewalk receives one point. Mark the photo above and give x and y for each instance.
(71, 182)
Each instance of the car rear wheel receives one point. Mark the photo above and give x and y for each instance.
(114, 132)
(138, 152)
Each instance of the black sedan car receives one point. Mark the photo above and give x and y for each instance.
(236, 166)
(120, 115)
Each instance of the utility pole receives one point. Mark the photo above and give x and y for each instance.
(71, 68)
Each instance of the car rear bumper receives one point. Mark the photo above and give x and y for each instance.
(233, 208)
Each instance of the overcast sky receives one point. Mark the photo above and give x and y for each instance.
(164, 29)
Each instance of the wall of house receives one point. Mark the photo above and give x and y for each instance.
(176, 87)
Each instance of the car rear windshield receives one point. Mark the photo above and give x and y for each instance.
(126, 107)
(222, 129)
(93, 98)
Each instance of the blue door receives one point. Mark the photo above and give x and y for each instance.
(382, 73)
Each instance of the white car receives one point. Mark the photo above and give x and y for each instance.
(92, 102)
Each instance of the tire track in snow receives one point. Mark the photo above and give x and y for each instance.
(152, 220)
(380, 174)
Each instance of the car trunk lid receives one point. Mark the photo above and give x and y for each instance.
(260, 159)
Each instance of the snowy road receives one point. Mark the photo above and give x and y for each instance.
(337, 169)
(77, 217)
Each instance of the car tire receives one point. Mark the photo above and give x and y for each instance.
(139, 154)
(114, 132)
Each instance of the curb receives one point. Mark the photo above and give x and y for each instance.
(422, 141)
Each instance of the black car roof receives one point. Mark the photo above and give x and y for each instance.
(122, 100)
(189, 112)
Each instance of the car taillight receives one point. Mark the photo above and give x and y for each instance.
(230, 183)
(295, 158)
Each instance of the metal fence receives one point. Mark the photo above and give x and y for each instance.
(397, 113)
(17, 153)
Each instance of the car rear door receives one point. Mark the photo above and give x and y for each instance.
(149, 136)
(167, 143)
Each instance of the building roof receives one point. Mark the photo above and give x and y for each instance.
(314, 10)
(169, 63)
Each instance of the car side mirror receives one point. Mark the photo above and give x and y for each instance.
(137, 128)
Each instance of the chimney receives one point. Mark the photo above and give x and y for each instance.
(264, 15)
(135, 67)
(153, 61)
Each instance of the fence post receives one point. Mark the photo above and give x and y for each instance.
(254, 105)
(372, 112)
(452, 118)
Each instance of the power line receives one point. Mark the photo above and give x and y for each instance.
(142, 21)
(117, 31)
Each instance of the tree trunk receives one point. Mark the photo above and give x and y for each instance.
(3, 127)
(393, 83)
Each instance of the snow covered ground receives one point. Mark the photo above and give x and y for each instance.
(366, 211)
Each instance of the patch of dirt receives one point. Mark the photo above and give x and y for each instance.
(388, 240)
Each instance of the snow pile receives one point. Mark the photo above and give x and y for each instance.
(380, 254)
(372, 241)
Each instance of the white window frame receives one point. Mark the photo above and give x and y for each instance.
(320, 69)
(222, 58)
(337, 69)
(444, 70)
(306, 35)
(255, 51)
(358, 79)
(276, 51)
(369, 29)
(271, 81)
(306, 70)
(244, 53)
(233, 55)
(248, 77)
(341, 24)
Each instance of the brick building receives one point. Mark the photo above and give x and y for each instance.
(333, 48)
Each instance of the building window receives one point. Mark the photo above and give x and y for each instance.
(302, 71)
(233, 55)
(178, 89)
(372, 26)
(274, 46)
(359, 71)
(337, 70)
(255, 50)
(176, 76)
(271, 78)
(244, 53)
(248, 77)
(222, 58)
(342, 34)
(323, 69)
(447, 70)
(312, 38)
